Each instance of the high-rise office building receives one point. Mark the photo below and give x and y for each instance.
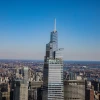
(20, 90)
(72, 76)
(89, 94)
(53, 70)
(74, 90)
(21, 86)
(25, 74)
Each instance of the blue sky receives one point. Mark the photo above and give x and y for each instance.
(25, 27)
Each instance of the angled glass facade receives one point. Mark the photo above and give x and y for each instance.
(53, 70)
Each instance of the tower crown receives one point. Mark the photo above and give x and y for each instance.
(55, 25)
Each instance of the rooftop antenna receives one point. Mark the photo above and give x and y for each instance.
(55, 25)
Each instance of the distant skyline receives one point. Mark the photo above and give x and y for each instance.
(25, 27)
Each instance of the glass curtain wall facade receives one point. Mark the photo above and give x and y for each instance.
(53, 70)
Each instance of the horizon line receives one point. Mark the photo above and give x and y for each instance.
(43, 60)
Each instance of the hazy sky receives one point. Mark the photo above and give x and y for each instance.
(25, 27)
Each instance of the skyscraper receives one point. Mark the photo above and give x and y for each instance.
(20, 90)
(25, 76)
(21, 85)
(53, 70)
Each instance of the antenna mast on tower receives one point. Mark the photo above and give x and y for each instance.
(55, 25)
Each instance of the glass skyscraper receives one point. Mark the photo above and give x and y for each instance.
(25, 76)
(53, 70)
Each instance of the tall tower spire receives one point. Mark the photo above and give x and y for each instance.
(53, 69)
(55, 25)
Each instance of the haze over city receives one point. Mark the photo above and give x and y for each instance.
(25, 27)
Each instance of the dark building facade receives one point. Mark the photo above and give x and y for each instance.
(96, 85)
(89, 94)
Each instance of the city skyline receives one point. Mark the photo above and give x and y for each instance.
(24, 24)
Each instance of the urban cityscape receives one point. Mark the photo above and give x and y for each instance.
(51, 79)
(69, 72)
